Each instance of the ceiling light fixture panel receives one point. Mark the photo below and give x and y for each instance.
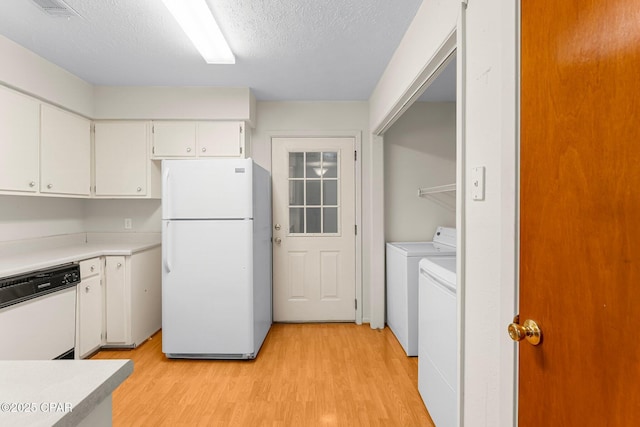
(198, 23)
(57, 8)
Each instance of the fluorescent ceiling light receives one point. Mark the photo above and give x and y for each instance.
(196, 20)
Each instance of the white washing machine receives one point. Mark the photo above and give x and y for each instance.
(402, 283)
(438, 339)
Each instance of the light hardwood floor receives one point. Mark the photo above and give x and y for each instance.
(305, 375)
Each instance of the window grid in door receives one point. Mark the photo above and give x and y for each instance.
(314, 179)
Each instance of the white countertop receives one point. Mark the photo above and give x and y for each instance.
(57, 392)
(23, 256)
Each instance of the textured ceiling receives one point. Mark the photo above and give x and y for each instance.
(285, 49)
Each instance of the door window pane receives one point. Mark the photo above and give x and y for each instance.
(313, 220)
(330, 220)
(330, 164)
(296, 193)
(314, 169)
(296, 165)
(330, 192)
(296, 220)
(313, 193)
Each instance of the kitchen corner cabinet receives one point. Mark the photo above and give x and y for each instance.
(65, 152)
(191, 139)
(133, 298)
(19, 138)
(89, 323)
(122, 167)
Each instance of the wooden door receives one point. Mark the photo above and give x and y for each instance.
(314, 229)
(580, 212)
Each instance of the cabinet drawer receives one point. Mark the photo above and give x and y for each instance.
(90, 267)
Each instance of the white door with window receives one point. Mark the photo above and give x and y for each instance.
(314, 274)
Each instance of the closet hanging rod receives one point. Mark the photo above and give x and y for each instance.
(437, 189)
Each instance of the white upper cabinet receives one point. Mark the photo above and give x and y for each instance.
(19, 137)
(220, 139)
(65, 155)
(174, 139)
(199, 139)
(122, 164)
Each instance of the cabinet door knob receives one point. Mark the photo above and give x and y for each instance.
(87, 289)
(188, 149)
(32, 184)
(93, 267)
(119, 264)
(139, 189)
(49, 185)
(204, 149)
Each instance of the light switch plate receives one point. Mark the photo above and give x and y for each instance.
(128, 223)
(477, 183)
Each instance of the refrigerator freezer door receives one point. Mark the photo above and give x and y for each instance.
(207, 303)
(207, 189)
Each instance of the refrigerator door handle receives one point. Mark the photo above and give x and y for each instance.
(165, 185)
(167, 260)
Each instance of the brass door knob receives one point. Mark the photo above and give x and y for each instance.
(529, 330)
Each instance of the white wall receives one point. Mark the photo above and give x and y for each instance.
(419, 151)
(26, 217)
(108, 215)
(32, 74)
(315, 117)
(491, 238)
(430, 28)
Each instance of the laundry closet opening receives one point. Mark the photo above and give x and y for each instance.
(420, 232)
(420, 153)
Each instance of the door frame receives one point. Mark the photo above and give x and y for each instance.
(357, 137)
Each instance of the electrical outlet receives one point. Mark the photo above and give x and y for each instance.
(128, 223)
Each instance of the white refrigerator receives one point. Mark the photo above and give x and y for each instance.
(216, 252)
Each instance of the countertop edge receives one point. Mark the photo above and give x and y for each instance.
(93, 399)
(74, 253)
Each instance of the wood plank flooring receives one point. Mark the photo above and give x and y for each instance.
(305, 375)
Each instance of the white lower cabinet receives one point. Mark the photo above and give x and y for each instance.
(133, 298)
(90, 304)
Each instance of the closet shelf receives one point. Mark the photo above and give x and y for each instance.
(444, 195)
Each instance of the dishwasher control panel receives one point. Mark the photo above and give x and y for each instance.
(22, 287)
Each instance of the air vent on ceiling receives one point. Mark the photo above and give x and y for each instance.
(56, 8)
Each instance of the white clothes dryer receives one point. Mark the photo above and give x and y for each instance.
(438, 339)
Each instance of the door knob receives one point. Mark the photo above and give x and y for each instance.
(529, 330)
(277, 227)
(277, 240)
